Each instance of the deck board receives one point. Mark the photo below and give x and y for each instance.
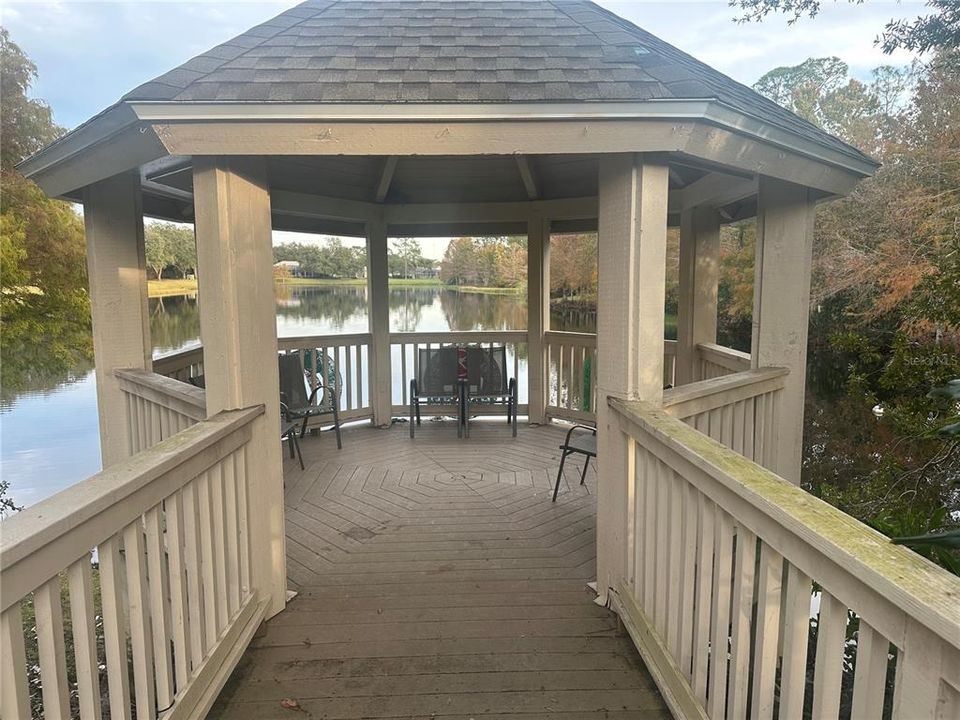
(436, 579)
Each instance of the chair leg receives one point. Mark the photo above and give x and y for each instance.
(291, 441)
(556, 489)
(336, 426)
(412, 416)
(303, 430)
(583, 473)
(296, 445)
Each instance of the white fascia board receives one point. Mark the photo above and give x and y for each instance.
(708, 110)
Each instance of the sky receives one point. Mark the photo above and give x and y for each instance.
(88, 54)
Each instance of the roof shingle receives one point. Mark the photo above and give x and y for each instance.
(404, 51)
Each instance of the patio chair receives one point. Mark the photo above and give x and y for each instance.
(582, 444)
(300, 404)
(437, 382)
(288, 432)
(487, 383)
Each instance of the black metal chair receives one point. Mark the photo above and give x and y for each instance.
(288, 432)
(488, 383)
(581, 444)
(303, 405)
(436, 383)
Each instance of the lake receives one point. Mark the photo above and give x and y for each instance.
(49, 435)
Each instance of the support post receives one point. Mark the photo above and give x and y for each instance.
(378, 290)
(239, 331)
(699, 276)
(781, 301)
(538, 314)
(632, 249)
(113, 216)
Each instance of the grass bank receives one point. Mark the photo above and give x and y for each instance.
(164, 288)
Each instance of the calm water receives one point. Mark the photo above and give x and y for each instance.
(49, 435)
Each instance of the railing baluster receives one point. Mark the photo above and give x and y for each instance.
(687, 582)
(870, 673)
(231, 531)
(159, 608)
(704, 592)
(83, 624)
(114, 628)
(796, 630)
(662, 518)
(15, 698)
(179, 598)
(52, 650)
(741, 616)
(766, 633)
(828, 670)
(218, 528)
(193, 569)
(138, 602)
(720, 611)
(243, 537)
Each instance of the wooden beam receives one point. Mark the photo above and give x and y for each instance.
(632, 242)
(528, 177)
(538, 312)
(113, 217)
(379, 322)
(239, 332)
(697, 293)
(714, 189)
(695, 138)
(386, 178)
(781, 301)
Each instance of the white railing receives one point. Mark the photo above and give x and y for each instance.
(740, 410)
(349, 356)
(571, 375)
(716, 361)
(404, 358)
(152, 554)
(733, 576)
(158, 407)
(182, 365)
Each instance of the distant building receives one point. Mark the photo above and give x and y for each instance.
(290, 267)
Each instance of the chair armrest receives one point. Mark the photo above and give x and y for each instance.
(566, 440)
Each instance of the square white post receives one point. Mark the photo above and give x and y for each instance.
(697, 297)
(239, 331)
(378, 290)
(113, 217)
(632, 249)
(538, 314)
(781, 302)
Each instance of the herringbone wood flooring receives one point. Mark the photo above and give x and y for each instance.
(437, 580)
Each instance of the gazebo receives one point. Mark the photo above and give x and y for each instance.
(416, 118)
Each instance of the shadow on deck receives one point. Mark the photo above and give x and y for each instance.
(437, 580)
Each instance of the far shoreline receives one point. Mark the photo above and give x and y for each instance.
(174, 287)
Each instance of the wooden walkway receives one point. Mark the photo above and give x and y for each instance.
(437, 580)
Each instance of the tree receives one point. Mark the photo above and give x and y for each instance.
(26, 124)
(940, 30)
(169, 244)
(459, 264)
(44, 304)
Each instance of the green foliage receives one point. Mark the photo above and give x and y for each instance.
(485, 262)
(26, 124)
(938, 30)
(405, 259)
(332, 259)
(170, 245)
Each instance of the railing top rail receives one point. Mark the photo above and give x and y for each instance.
(465, 336)
(180, 396)
(723, 353)
(38, 542)
(903, 579)
(286, 343)
(759, 380)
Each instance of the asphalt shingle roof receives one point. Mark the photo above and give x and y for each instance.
(421, 51)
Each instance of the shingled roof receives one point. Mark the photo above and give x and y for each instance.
(438, 51)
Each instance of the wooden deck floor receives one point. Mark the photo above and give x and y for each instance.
(437, 580)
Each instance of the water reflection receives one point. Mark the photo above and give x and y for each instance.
(50, 436)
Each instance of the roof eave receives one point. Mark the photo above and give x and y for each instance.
(120, 117)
